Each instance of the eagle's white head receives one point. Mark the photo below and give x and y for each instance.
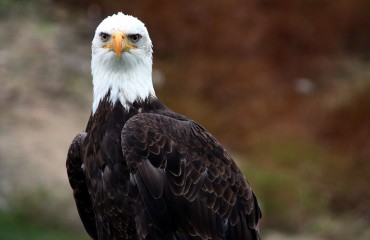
(121, 61)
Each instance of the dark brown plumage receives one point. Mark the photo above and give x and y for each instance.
(149, 173)
(141, 171)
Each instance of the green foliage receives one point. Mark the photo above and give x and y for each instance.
(286, 177)
(300, 184)
(15, 226)
(36, 215)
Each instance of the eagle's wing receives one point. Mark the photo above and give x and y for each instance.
(77, 181)
(187, 180)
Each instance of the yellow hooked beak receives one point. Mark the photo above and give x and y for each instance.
(118, 44)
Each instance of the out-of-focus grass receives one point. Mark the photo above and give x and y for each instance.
(295, 182)
(17, 227)
(284, 175)
(37, 215)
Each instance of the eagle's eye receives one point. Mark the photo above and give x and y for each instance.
(104, 36)
(134, 37)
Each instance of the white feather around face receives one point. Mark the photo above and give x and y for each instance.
(129, 77)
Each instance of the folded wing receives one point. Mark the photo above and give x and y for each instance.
(188, 182)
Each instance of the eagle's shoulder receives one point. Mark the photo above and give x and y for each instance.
(174, 158)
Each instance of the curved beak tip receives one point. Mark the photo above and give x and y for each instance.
(118, 54)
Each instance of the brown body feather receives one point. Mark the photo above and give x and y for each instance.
(149, 173)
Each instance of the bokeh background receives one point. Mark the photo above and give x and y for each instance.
(284, 86)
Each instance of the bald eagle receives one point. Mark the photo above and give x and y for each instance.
(142, 171)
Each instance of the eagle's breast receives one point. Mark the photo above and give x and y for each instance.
(106, 171)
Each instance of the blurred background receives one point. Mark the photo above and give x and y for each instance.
(283, 85)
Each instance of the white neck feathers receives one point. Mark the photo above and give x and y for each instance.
(127, 79)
